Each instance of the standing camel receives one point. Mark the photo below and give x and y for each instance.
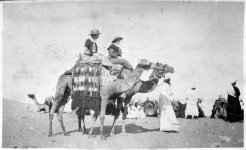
(141, 87)
(64, 86)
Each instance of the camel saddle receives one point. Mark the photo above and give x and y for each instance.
(86, 86)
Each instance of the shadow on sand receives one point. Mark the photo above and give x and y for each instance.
(130, 128)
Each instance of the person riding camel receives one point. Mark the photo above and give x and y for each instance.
(91, 52)
(90, 46)
(115, 53)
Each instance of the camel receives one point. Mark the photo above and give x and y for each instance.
(115, 88)
(42, 107)
(150, 108)
(140, 87)
(219, 109)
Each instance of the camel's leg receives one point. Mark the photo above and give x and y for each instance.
(117, 114)
(79, 114)
(61, 109)
(83, 122)
(52, 111)
(60, 118)
(124, 119)
(104, 102)
(59, 96)
(127, 101)
(94, 118)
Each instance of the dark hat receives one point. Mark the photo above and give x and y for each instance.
(94, 32)
(117, 38)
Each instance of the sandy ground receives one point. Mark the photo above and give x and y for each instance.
(23, 128)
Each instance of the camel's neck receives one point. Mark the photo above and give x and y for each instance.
(137, 72)
(133, 78)
(148, 86)
(35, 101)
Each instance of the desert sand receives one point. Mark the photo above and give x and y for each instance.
(25, 128)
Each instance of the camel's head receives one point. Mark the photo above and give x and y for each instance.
(161, 69)
(145, 64)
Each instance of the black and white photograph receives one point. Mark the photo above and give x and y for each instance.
(124, 74)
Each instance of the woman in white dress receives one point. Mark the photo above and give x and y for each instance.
(168, 120)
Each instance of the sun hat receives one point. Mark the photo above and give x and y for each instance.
(94, 32)
(117, 38)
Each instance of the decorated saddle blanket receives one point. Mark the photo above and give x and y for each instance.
(86, 87)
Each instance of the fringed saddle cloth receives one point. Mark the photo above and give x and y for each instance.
(87, 84)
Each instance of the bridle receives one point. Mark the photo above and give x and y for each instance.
(159, 74)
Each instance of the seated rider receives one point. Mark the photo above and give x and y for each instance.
(90, 51)
(114, 56)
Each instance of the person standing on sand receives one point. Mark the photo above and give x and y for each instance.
(168, 120)
(191, 106)
(234, 111)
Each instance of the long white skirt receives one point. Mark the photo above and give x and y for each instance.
(168, 120)
(191, 109)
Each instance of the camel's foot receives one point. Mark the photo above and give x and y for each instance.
(123, 131)
(50, 134)
(124, 134)
(66, 134)
(91, 136)
(112, 134)
(85, 132)
(103, 137)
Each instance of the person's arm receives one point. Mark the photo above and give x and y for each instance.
(112, 53)
(86, 51)
(119, 52)
(86, 47)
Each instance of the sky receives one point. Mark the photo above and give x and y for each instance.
(203, 41)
